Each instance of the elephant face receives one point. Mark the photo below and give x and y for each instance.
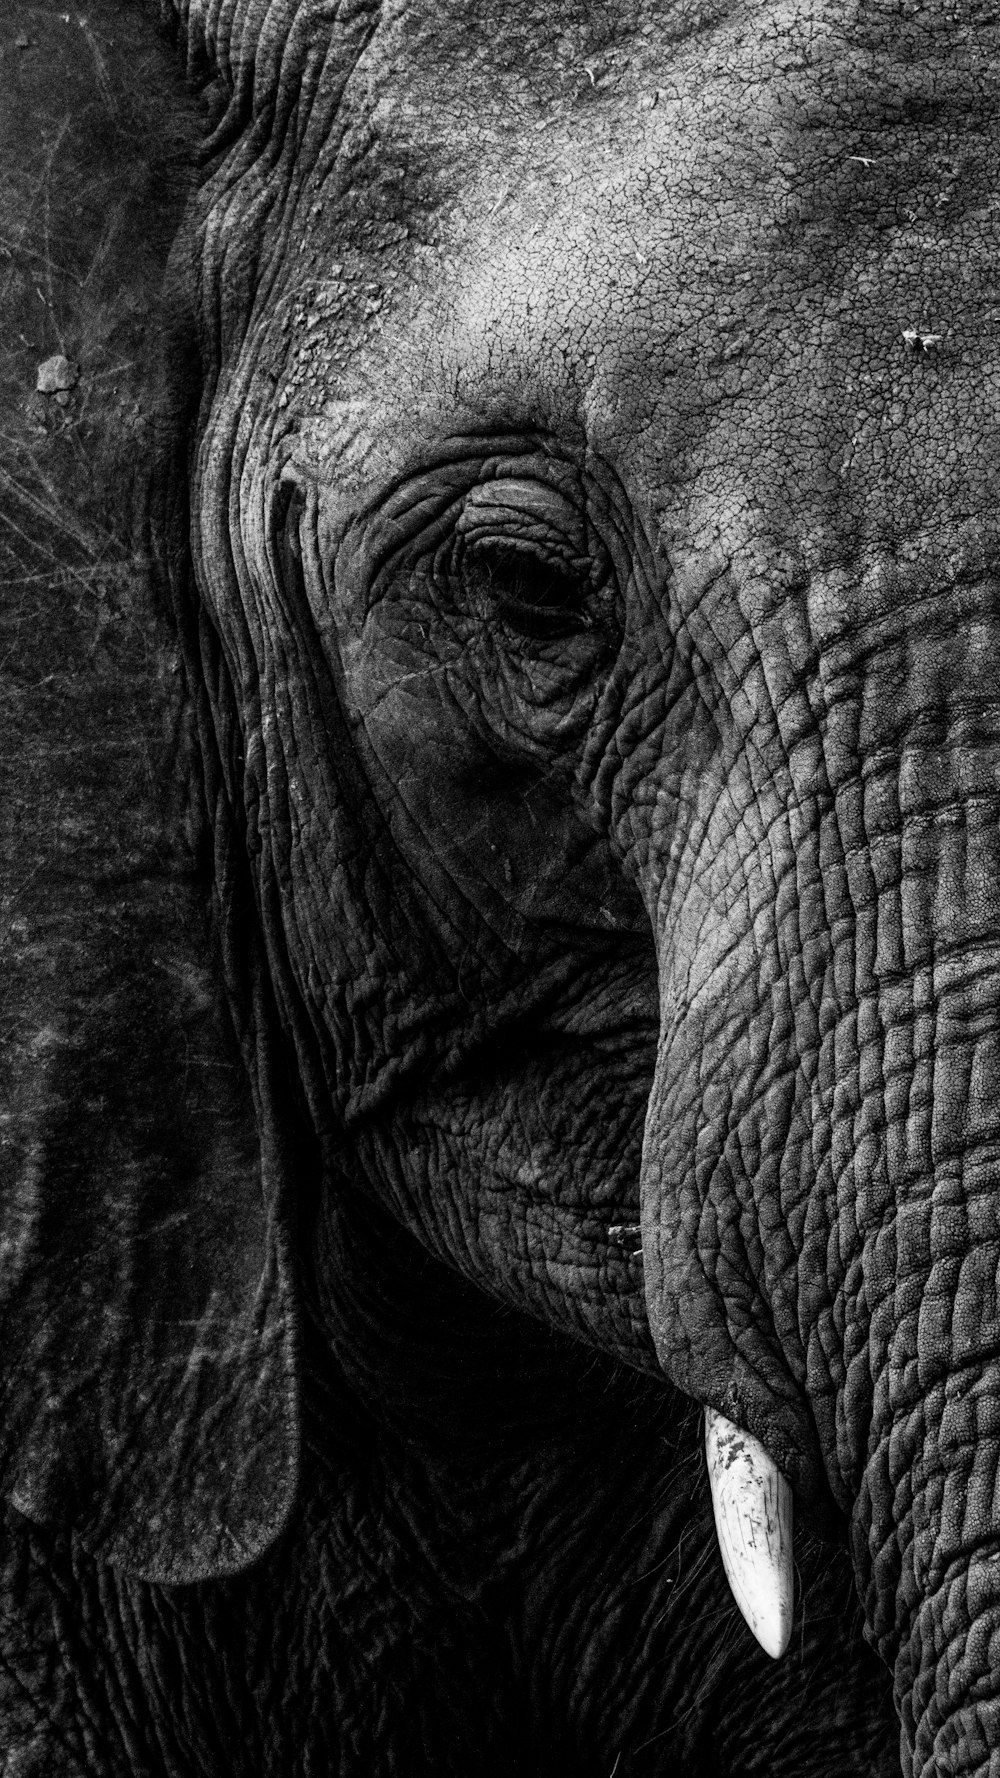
(587, 600)
(594, 503)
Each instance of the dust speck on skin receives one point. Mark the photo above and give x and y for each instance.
(919, 341)
(56, 375)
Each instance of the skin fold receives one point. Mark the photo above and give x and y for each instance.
(564, 995)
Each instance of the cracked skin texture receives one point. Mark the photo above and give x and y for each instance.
(589, 649)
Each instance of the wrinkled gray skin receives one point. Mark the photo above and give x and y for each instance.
(591, 638)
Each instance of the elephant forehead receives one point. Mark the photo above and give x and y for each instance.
(813, 121)
(830, 63)
(752, 263)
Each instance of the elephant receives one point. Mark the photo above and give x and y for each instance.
(500, 1244)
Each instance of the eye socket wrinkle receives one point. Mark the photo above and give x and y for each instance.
(517, 551)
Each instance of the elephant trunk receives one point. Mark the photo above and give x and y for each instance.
(946, 1675)
(926, 1523)
(819, 1189)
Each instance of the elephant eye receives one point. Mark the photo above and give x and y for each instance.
(534, 596)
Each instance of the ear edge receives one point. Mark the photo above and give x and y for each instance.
(148, 1389)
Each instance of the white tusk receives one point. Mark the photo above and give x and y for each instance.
(752, 1503)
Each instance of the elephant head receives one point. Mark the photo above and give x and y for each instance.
(582, 549)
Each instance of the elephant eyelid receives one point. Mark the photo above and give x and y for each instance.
(525, 514)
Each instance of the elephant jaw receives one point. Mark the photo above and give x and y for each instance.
(752, 1503)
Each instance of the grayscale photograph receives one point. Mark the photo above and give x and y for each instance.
(499, 889)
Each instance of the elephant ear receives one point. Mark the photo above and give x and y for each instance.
(147, 1393)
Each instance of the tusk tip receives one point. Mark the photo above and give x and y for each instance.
(772, 1627)
(752, 1503)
